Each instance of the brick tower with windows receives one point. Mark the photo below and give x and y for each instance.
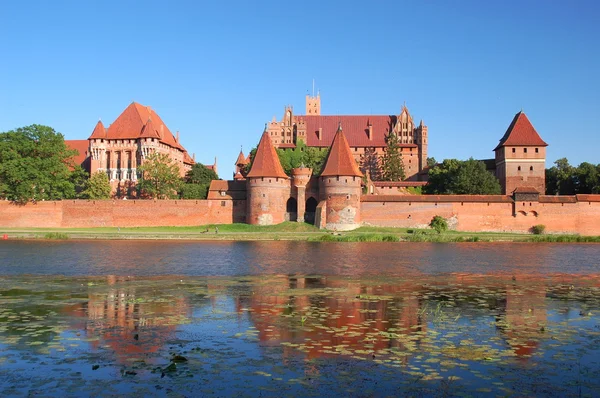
(521, 157)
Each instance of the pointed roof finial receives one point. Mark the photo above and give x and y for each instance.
(339, 126)
(265, 128)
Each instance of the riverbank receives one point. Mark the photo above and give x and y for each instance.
(284, 231)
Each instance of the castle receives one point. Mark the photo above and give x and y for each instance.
(363, 133)
(122, 147)
(333, 199)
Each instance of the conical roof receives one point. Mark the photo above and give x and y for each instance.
(241, 159)
(99, 131)
(266, 162)
(521, 133)
(340, 161)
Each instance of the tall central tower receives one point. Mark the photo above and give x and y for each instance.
(313, 105)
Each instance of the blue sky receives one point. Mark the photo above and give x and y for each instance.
(218, 70)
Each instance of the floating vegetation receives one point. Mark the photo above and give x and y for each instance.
(454, 334)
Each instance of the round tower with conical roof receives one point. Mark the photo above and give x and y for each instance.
(340, 186)
(267, 186)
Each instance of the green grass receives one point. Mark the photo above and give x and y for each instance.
(56, 236)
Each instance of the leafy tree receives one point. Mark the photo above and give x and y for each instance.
(560, 178)
(587, 178)
(35, 164)
(457, 177)
(439, 224)
(431, 162)
(302, 155)
(392, 166)
(370, 163)
(97, 186)
(197, 181)
(159, 177)
(79, 177)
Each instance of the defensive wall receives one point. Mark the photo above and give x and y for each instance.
(121, 213)
(579, 214)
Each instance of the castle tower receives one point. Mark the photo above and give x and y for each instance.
(267, 186)
(340, 186)
(300, 177)
(521, 157)
(313, 105)
(98, 148)
(240, 164)
(421, 141)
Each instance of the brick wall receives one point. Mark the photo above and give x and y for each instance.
(121, 213)
(577, 216)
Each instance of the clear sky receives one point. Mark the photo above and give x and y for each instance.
(218, 70)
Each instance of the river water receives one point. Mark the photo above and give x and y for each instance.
(89, 318)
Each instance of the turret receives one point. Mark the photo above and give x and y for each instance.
(521, 157)
(268, 187)
(340, 187)
(300, 177)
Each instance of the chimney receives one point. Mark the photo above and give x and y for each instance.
(194, 157)
(370, 132)
(320, 133)
(177, 136)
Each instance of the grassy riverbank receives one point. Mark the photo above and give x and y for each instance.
(284, 231)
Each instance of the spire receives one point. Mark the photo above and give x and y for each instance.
(340, 161)
(266, 162)
(99, 131)
(241, 159)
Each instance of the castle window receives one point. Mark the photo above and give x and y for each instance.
(530, 168)
(222, 203)
(524, 150)
(514, 150)
(537, 150)
(519, 168)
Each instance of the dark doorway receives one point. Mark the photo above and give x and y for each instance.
(311, 208)
(291, 210)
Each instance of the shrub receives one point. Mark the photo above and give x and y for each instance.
(439, 223)
(538, 229)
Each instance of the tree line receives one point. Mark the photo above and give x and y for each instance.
(36, 165)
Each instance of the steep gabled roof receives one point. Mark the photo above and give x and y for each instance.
(148, 131)
(130, 125)
(187, 159)
(266, 162)
(99, 131)
(521, 133)
(82, 147)
(340, 161)
(356, 128)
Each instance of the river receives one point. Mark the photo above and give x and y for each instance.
(283, 318)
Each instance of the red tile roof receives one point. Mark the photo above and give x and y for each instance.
(356, 128)
(437, 198)
(187, 159)
(241, 159)
(521, 133)
(80, 146)
(526, 189)
(266, 162)
(99, 131)
(340, 161)
(131, 124)
(235, 190)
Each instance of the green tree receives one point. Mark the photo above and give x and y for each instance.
(370, 163)
(431, 162)
(587, 178)
(97, 187)
(159, 177)
(35, 164)
(468, 177)
(439, 224)
(301, 155)
(560, 178)
(197, 181)
(392, 166)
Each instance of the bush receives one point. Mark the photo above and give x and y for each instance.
(439, 223)
(538, 229)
